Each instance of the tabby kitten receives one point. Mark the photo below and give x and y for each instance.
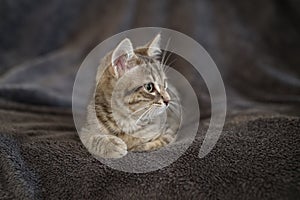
(130, 109)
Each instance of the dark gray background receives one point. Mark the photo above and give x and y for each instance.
(255, 45)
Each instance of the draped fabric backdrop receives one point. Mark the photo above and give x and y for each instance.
(256, 46)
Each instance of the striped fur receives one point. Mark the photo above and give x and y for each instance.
(123, 115)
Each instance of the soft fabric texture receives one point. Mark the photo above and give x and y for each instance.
(255, 46)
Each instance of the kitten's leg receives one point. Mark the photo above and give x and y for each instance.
(104, 146)
(157, 143)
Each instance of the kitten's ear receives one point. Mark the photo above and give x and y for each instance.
(154, 47)
(122, 53)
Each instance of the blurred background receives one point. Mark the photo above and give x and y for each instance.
(255, 44)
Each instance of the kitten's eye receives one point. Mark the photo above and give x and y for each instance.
(149, 87)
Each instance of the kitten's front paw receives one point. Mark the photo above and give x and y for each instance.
(110, 147)
(116, 147)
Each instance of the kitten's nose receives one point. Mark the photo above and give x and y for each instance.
(166, 102)
(166, 98)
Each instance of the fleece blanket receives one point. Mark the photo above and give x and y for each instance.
(256, 48)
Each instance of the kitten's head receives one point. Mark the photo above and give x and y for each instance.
(138, 82)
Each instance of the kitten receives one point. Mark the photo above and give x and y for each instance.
(130, 109)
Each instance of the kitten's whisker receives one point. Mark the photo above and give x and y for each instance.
(175, 103)
(172, 62)
(154, 112)
(165, 62)
(146, 112)
(165, 68)
(176, 106)
(163, 57)
(138, 110)
(174, 110)
(151, 114)
(142, 115)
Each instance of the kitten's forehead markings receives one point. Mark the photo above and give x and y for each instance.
(158, 71)
(155, 72)
(152, 75)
